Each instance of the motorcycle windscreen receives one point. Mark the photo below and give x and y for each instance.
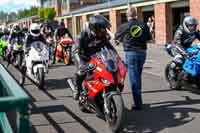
(38, 45)
(109, 59)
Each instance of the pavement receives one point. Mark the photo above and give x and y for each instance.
(165, 110)
(157, 58)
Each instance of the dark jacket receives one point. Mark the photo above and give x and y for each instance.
(87, 45)
(20, 37)
(30, 39)
(185, 39)
(61, 31)
(134, 35)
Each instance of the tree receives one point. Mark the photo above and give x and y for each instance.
(27, 12)
(47, 13)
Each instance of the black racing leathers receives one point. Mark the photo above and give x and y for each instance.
(20, 36)
(184, 39)
(86, 46)
(30, 39)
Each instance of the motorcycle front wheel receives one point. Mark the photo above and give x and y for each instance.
(41, 76)
(22, 75)
(19, 59)
(172, 81)
(115, 117)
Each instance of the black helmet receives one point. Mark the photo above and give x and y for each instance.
(16, 28)
(190, 23)
(98, 22)
(46, 28)
(61, 23)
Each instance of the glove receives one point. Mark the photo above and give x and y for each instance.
(117, 42)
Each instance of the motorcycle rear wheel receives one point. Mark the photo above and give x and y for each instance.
(115, 118)
(66, 56)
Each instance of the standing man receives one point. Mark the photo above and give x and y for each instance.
(134, 36)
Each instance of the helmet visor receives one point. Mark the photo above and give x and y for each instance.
(192, 27)
(35, 31)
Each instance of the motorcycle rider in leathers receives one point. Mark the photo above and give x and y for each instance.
(185, 35)
(61, 31)
(90, 42)
(16, 32)
(33, 36)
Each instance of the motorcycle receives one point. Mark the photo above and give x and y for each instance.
(64, 49)
(102, 87)
(181, 73)
(16, 52)
(3, 47)
(36, 64)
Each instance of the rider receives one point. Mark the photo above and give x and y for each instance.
(34, 35)
(61, 31)
(185, 35)
(187, 32)
(5, 34)
(16, 33)
(90, 42)
(1, 32)
(25, 30)
(46, 29)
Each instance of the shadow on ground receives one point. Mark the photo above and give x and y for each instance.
(158, 116)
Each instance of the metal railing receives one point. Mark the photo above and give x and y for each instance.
(14, 114)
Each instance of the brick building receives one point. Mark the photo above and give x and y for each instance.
(168, 15)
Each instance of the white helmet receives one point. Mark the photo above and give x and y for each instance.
(35, 29)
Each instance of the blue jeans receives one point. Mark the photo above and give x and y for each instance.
(135, 62)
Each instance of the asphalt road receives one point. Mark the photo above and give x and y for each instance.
(165, 110)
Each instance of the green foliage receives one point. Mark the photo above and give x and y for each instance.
(27, 12)
(46, 13)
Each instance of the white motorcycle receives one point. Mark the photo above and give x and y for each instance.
(37, 62)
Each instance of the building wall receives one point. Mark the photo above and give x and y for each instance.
(194, 9)
(162, 12)
(163, 23)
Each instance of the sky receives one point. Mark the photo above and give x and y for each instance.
(14, 5)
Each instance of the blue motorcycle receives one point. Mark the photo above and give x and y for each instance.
(185, 69)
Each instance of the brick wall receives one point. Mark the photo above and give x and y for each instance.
(163, 23)
(195, 9)
(58, 8)
(84, 20)
(114, 17)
